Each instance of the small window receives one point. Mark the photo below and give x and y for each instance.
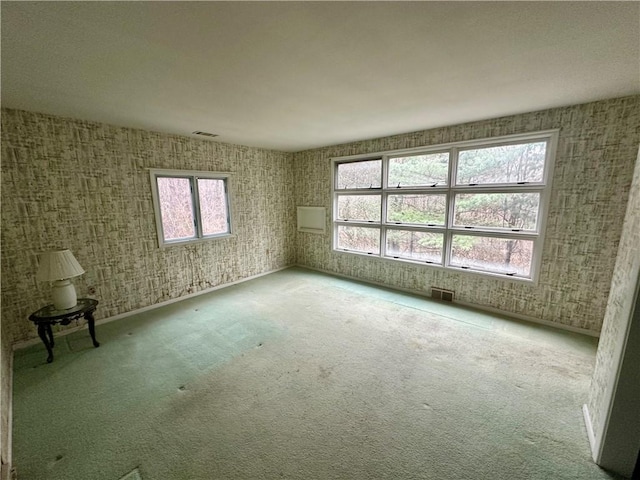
(176, 208)
(519, 163)
(359, 239)
(428, 170)
(511, 211)
(417, 209)
(415, 245)
(212, 198)
(190, 206)
(359, 207)
(510, 256)
(358, 175)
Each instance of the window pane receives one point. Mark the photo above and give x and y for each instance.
(359, 207)
(176, 208)
(360, 239)
(502, 255)
(419, 170)
(417, 209)
(213, 206)
(366, 174)
(502, 164)
(497, 210)
(425, 246)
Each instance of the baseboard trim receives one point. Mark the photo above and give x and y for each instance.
(34, 341)
(590, 434)
(474, 306)
(5, 463)
(527, 318)
(10, 422)
(6, 472)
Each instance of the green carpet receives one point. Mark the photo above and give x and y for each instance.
(300, 375)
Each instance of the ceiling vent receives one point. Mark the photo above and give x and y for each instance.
(204, 134)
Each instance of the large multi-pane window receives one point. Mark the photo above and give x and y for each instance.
(475, 206)
(190, 206)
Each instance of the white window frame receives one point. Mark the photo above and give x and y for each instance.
(193, 176)
(448, 230)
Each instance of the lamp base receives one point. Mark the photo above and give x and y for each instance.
(64, 295)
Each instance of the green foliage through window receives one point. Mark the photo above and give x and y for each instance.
(418, 209)
(419, 170)
(473, 206)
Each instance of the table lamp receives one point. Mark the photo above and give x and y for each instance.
(59, 266)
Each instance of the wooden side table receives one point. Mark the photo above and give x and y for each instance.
(48, 316)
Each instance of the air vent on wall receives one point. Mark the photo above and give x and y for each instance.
(204, 134)
(441, 294)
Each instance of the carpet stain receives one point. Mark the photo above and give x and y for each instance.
(543, 438)
(325, 372)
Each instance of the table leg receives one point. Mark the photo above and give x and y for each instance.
(50, 334)
(92, 328)
(42, 332)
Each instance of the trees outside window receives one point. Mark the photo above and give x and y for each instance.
(190, 206)
(476, 206)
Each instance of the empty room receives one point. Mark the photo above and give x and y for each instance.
(320, 240)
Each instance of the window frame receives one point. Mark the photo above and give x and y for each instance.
(193, 176)
(543, 188)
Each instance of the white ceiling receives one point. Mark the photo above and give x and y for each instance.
(296, 75)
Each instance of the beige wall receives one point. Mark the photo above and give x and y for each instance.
(85, 186)
(596, 152)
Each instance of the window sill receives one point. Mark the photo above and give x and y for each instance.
(452, 269)
(193, 241)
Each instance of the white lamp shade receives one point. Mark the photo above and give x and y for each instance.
(58, 265)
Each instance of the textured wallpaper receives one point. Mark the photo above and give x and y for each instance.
(619, 309)
(85, 186)
(597, 148)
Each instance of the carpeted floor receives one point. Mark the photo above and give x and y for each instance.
(300, 375)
